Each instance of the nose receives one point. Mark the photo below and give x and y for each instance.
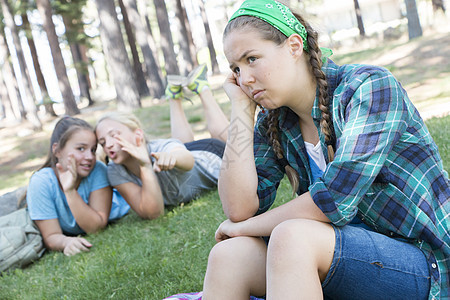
(109, 142)
(246, 77)
(89, 155)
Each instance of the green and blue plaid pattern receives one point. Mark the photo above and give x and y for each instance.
(387, 168)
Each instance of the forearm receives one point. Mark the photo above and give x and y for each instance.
(184, 159)
(87, 218)
(56, 241)
(238, 179)
(302, 207)
(151, 204)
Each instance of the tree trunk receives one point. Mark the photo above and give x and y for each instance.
(359, 19)
(170, 57)
(414, 28)
(11, 81)
(46, 101)
(212, 50)
(28, 101)
(117, 57)
(7, 111)
(137, 65)
(438, 4)
(45, 11)
(186, 41)
(78, 62)
(151, 66)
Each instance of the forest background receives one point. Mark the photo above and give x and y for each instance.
(90, 57)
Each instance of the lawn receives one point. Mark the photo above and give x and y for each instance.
(138, 259)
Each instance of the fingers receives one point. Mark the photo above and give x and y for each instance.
(220, 236)
(76, 245)
(164, 161)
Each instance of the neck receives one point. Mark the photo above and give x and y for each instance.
(305, 93)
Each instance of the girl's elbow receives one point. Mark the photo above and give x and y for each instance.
(151, 212)
(238, 216)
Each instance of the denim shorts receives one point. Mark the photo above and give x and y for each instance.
(369, 265)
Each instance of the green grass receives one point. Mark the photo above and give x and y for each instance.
(138, 259)
(131, 259)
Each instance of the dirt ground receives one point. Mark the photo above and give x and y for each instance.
(423, 67)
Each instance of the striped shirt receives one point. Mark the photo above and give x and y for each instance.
(387, 168)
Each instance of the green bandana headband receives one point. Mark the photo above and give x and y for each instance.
(279, 16)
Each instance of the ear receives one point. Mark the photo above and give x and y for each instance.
(55, 148)
(295, 45)
(140, 136)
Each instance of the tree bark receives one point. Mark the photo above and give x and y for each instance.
(187, 46)
(438, 4)
(212, 50)
(170, 57)
(117, 57)
(414, 28)
(137, 65)
(7, 110)
(359, 19)
(46, 101)
(28, 101)
(11, 81)
(151, 66)
(78, 63)
(45, 11)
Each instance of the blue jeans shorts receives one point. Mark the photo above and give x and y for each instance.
(369, 265)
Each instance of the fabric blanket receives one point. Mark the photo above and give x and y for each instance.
(195, 296)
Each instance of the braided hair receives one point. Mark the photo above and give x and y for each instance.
(270, 33)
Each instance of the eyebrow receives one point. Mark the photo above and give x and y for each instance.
(241, 57)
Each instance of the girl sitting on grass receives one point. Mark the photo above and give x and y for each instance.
(152, 174)
(70, 194)
(353, 146)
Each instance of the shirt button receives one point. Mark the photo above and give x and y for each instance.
(433, 265)
(391, 233)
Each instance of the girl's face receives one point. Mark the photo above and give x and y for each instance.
(82, 145)
(107, 131)
(266, 72)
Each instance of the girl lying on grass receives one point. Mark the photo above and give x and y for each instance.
(353, 146)
(152, 174)
(70, 194)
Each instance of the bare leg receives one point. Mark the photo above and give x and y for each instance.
(216, 120)
(236, 269)
(299, 257)
(179, 125)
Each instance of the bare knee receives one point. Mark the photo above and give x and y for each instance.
(304, 242)
(232, 252)
(236, 266)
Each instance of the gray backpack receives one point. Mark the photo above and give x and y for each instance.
(20, 240)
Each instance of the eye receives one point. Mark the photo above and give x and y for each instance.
(101, 143)
(251, 59)
(236, 70)
(81, 149)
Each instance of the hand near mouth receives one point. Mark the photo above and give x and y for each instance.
(240, 100)
(138, 151)
(67, 173)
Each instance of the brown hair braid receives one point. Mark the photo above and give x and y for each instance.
(326, 125)
(272, 132)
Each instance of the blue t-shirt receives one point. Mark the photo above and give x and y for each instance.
(46, 199)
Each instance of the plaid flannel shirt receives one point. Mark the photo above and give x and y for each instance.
(387, 168)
